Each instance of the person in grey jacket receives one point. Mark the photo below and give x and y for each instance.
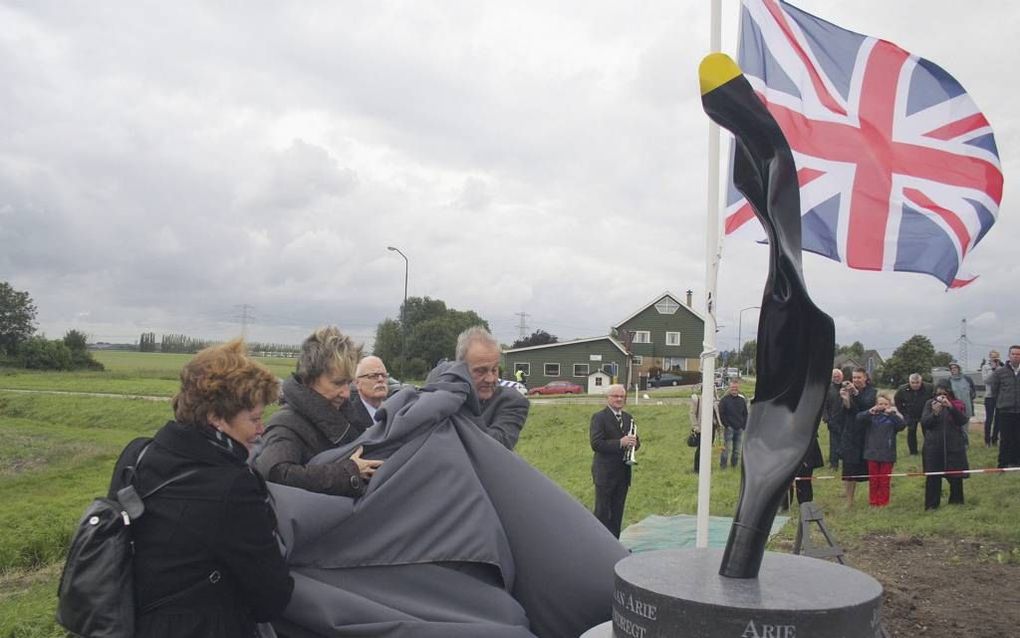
(504, 410)
(988, 367)
(1005, 385)
(311, 421)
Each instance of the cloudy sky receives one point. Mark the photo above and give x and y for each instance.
(162, 165)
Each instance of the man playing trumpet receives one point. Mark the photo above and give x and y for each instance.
(614, 439)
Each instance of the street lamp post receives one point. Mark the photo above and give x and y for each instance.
(403, 308)
(740, 325)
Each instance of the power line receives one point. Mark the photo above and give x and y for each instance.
(245, 317)
(522, 326)
(963, 343)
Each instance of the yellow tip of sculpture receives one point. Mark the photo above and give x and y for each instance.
(715, 70)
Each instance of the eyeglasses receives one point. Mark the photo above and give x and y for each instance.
(375, 376)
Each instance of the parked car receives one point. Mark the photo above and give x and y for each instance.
(665, 379)
(520, 387)
(557, 387)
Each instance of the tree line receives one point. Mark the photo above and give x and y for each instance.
(425, 334)
(20, 346)
(916, 354)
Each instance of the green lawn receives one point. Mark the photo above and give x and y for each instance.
(134, 373)
(57, 452)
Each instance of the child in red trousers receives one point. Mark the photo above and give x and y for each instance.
(880, 423)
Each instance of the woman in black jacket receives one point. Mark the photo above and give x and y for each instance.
(207, 562)
(945, 447)
(314, 418)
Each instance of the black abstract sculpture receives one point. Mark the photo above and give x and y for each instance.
(795, 338)
(685, 592)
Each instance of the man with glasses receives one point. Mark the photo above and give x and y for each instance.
(370, 390)
(610, 439)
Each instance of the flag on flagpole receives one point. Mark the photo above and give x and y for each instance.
(898, 168)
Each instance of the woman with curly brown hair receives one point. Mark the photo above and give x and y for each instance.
(207, 562)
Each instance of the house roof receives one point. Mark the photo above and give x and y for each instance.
(844, 360)
(656, 300)
(616, 343)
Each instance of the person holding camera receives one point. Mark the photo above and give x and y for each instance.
(945, 448)
(881, 423)
(857, 395)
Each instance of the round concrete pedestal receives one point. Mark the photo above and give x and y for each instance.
(680, 594)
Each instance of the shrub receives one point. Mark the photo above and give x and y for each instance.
(39, 353)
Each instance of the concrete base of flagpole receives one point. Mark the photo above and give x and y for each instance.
(679, 593)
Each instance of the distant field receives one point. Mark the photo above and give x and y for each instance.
(160, 365)
(134, 373)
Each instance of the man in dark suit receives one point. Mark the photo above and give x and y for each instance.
(370, 385)
(610, 438)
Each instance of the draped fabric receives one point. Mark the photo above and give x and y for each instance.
(455, 535)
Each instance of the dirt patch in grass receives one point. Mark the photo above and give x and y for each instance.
(943, 588)
(17, 466)
(18, 581)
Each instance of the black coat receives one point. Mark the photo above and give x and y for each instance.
(733, 411)
(356, 413)
(911, 402)
(851, 441)
(216, 520)
(945, 447)
(607, 466)
(833, 412)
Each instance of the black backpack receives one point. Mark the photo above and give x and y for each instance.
(96, 596)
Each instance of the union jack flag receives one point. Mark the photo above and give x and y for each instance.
(898, 168)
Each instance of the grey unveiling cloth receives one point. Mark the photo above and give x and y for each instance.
(454, 537)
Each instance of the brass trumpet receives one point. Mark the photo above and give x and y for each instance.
(630, 454)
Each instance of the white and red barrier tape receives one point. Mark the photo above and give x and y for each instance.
(949, 473)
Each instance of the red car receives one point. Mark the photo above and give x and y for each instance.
(557, 387)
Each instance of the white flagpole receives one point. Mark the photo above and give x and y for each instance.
(708, 354)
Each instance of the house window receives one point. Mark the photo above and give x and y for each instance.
(670, 363)
(580, 369)
(672, 338)
(667, 306)
(642, 336)
(526, 367)
(552, 370)
(638, 360)
(598, 381)
(609, 368)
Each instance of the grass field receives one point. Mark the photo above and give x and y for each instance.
(57, 452)
(134, 373)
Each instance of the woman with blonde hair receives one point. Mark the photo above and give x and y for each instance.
(312, 420)
(206, 558)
